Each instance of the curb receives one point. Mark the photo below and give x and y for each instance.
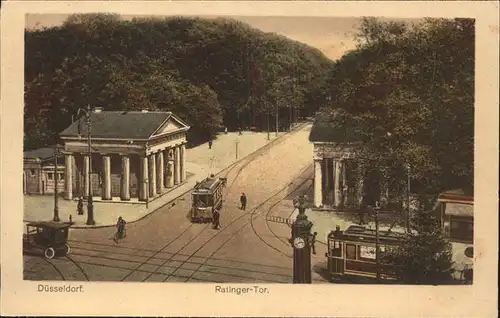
(256, 152)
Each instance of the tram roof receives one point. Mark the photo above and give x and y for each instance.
(362, 232)
(207, 184)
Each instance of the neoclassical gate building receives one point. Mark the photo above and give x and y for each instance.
(335, 182)
(134, 155)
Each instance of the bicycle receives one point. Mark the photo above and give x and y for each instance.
(117, 235)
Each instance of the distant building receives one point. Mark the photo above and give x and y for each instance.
(136, 154)
(456, 209)
(39, 171)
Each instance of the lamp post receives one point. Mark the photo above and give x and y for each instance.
(301, 242)
(377, 241)
(90, 203)
(408, 199)
(56, 181)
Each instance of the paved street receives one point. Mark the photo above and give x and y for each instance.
(165, 246)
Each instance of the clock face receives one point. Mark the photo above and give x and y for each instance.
(299, 242)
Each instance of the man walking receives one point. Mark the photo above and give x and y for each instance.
(243, 201)
(313, 242)
(79, 206)
(210, 144)
(216, 219)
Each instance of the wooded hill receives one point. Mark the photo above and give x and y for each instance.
(210, 72)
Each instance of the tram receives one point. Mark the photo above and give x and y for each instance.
(351, 253)
(206, 197)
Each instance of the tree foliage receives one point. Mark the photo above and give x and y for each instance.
(409, 90)
(211, 72)
(425, 256)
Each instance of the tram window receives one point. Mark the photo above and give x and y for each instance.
(350, 251)
(336, 248)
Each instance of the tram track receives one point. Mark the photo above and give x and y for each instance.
(221, 268)
(79, 267)
(285, 242)
(271, 209)
(55, 267)
(244, 163)
(250, 213)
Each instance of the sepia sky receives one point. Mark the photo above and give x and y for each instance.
(333, 36)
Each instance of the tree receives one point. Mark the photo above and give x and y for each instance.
(411, 100)
(206, 70)
(424, 257)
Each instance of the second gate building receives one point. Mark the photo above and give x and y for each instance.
(134, 155)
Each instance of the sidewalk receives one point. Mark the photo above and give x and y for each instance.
(200, 162)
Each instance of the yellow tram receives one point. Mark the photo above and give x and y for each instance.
(352, 253)
(206, 197)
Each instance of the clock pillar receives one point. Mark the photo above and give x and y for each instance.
(301, 243)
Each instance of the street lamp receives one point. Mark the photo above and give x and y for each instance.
(57, 152)
(408, 199)
(90, 204)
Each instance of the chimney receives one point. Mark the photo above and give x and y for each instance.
(97, 109)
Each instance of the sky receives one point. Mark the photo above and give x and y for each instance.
(332, 36)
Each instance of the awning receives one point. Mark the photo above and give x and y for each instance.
(459, 209)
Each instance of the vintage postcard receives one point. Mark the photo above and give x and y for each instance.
(224, 158)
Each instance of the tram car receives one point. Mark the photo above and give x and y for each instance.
(351, 253)
(206, 197)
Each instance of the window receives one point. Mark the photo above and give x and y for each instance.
(462, 229)
(32, 171)
(61, 176)
(336, 248)
(50, 176)
(350, 251)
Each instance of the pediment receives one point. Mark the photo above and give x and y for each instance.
(171, 125)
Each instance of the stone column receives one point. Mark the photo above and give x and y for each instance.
(143, 190)
(177, 164)
(68, 177)
(337, 190)
(170, 172)
(125, 186)
(106, 175)
(326, 174)
(344, 183)
(86, 170)
(152, 175)
(166, 169)
(159, 172)
(318, 191)
(183, 162)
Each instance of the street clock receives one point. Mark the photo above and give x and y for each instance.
(299, 243)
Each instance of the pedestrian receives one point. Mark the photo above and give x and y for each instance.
(239, 131)
(243, 201)
(313, 242)
(225, 130)
(210, 144)
(120, 225)
(79, 206)
(70, 219)
(216, 219)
